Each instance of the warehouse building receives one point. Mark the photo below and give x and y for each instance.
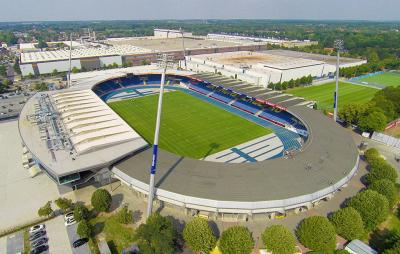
(263, 68)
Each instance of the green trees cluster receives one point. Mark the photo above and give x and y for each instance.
(348, 223)
(124, 215)
(374, 115)
(278, 239)
(64, 204)
(45, 210)
(40, 86)
(84, 229)
(199, 236)
(236, 240)
(317, 233)
(303, 81)
(157, 235)
(81, 212)
(101, 200)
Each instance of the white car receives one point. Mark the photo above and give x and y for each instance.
(68, 216)
(70, 221)
(36, 228)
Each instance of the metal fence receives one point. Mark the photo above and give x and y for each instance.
(386, 139)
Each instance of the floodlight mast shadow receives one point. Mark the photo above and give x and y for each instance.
(164, 61)
(339, 47)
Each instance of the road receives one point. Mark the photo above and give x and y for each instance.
(15, 243)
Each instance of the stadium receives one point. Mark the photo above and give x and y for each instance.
(226, 148)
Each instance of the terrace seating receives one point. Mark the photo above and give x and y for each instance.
(250, 108)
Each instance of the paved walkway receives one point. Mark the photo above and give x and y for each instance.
(20, 195)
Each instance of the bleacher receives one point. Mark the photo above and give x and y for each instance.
(250, 108)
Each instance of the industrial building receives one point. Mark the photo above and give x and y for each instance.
(263, 68)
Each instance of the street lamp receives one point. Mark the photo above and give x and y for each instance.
(339, 47)
(164, 61)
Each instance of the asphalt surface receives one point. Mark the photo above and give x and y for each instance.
(15, 243)
(73, 236)
(11, 106)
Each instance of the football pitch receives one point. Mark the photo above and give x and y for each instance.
(383, 80)
(190, 127)
(323, 94)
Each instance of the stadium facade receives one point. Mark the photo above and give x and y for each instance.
(77, 139)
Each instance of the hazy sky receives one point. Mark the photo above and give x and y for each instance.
(43, 10)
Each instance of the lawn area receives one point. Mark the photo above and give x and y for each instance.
(190, 127)
(384, 79)
(117, 235)
(323, 94)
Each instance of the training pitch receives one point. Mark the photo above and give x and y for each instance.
(323, 94)
(383, 80)
(190, 127)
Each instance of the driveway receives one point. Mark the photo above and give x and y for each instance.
(58, 236)
(73, 236)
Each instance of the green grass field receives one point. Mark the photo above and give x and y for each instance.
(383, 80)
(323, 94)
(190, 127)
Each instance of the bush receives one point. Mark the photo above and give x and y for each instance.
(199, 236)
(317, 233)
(373, 121)
(387, 188)
(45, 210)
(64, 204)
(371, 155)
(236, 240)
(372, 206)
(81, 212)
(278, 239)
(380, 169)
(84, 229)
(348, 223)
(101, 200)
(157, 235)
(125, 216)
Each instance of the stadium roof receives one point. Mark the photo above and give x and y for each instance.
(90, 122)
(96, 134)
(57, 55)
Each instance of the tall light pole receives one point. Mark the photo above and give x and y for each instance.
(164, 61)
(339, 47)
(183, 48)
(70, 62)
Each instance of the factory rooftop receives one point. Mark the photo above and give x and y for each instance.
(57, 55)
(173, 44)
(259, 60)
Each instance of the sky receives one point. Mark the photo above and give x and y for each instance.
(72, 10)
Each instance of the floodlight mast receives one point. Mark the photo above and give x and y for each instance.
(163, 61)
(70, 62)
(183, 48)
(339, 47)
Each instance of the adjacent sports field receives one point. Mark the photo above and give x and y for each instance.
(190, 127)
(323, 94)
(384, 79)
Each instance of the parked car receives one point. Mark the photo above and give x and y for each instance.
(40, 249)
(80, 242)
(37, 235)
(36, 228)
(39, 242)
(68, 216)
(70, 221)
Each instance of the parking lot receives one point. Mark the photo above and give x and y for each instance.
(73, 236)
(11, 104)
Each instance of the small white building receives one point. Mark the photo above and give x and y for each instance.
(358, 247)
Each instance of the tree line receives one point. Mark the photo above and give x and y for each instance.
(303, 81)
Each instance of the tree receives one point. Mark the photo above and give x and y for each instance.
(387, 188)
(42, 44)
(75, 70)
(351, 113)
(317, 233)
(3, 70)
(380, 169)
(371, 155)
(40, 87)
(81, 212)
(125, 216)
(45, 210)
(373, 121)
(372, 206)
(64, 204)
(54, 72)
(395, 249)
(199, 236)
(84, 229)
(101, 200)
(348, 223)
(156, 236)
(278, 239)
(236, 240)
(341, 251)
